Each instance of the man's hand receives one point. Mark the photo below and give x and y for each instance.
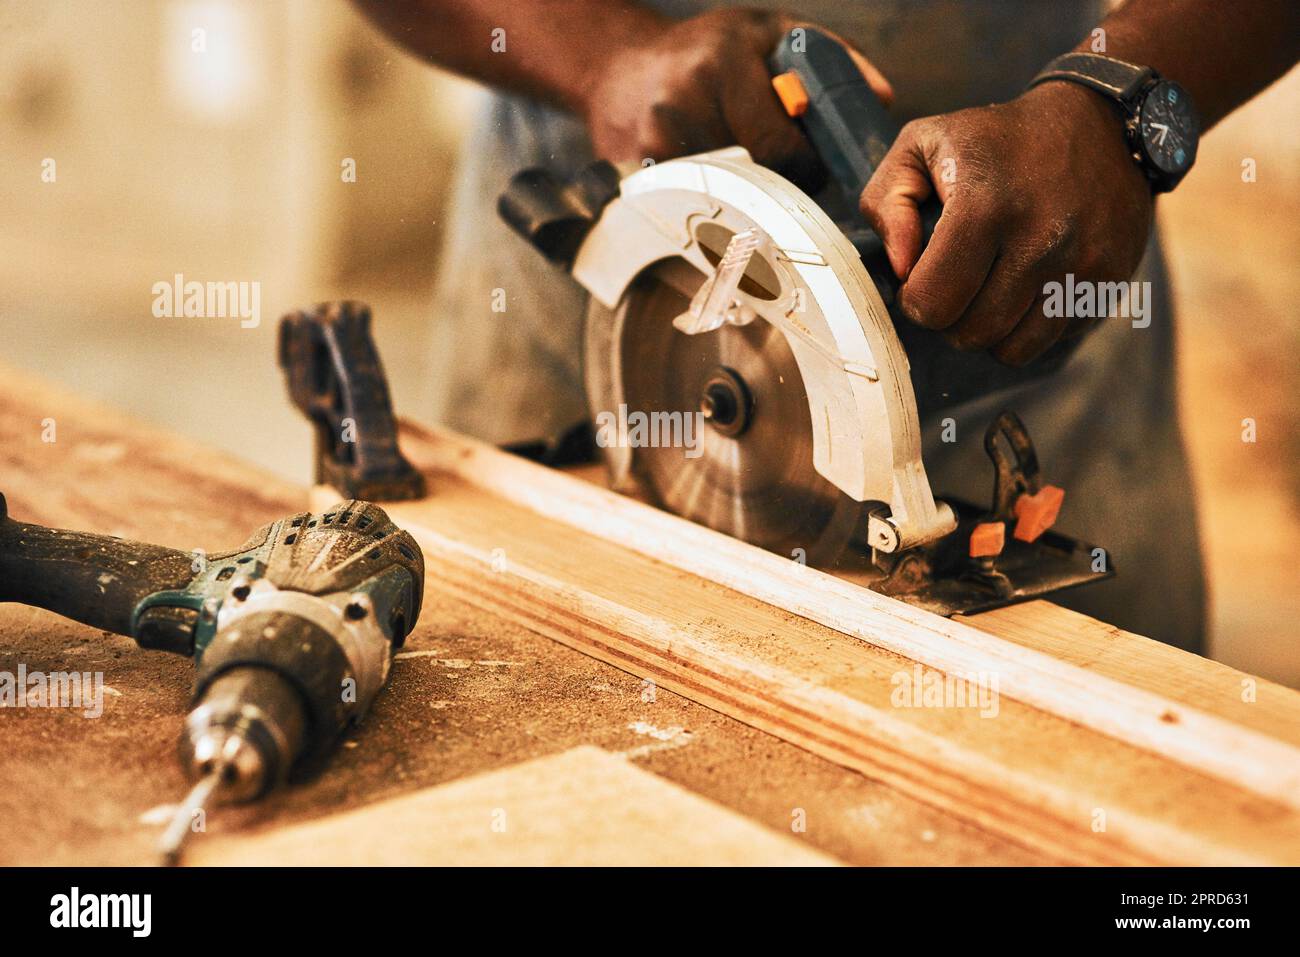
(1031, 190)
(701, 84)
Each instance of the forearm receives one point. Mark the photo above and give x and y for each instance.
(553, 51)
(1223, 53)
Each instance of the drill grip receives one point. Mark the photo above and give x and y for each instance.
(94, 579)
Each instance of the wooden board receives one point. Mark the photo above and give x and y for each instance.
(1176, 675)
(470, 693)
(1085, 791)
(1126, 711)
(584, 807)
(1179, 676)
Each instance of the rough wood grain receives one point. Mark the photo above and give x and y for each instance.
(1127, 711)
(584, 808)
(470, 692)
(1263, 706)
(1033, 776)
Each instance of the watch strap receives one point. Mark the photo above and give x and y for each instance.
(1115, 78)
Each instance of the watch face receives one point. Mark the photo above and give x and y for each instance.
(1169, 128)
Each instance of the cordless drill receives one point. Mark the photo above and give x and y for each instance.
(292, 633)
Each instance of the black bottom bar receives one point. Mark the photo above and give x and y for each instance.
(433, 908)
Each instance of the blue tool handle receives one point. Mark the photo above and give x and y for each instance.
(845, 121)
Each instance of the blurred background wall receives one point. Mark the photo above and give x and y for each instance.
(227, 163)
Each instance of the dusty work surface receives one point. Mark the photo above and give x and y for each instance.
(469, 694)
(1159, 740)
(584, 807)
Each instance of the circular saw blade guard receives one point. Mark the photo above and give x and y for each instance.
(802, 276)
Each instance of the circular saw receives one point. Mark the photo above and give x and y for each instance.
(721, 293)
(743, 370)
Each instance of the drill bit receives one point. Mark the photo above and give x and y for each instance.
(240, 739)
(182, 823)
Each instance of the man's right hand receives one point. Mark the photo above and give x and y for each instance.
(702, 84)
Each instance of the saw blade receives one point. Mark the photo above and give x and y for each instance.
(749, 470)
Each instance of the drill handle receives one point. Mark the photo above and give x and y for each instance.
(95, 579)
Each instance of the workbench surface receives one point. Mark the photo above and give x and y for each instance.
(471, 693)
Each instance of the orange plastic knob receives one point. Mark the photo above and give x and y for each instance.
(987, 539)
(791, 90)
(1037, 513)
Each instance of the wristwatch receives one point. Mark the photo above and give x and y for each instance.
(1160, 121)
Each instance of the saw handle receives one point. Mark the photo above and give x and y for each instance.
(822, 87)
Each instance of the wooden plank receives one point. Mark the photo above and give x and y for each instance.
(1129, 712)
(470, 692)
(1183, 677)
(584, 807)
(109, 474)
(1027, 775)
(1172, 673)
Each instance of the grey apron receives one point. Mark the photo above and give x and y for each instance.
(1105, 423)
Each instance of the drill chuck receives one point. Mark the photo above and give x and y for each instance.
(247, 728)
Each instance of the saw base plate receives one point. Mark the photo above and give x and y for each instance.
(942, 579)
